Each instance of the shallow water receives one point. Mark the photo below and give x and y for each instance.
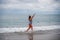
(30, 36)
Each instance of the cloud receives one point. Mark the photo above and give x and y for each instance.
(29, 1)
(18, 1)
(30, 4)
(8, 1)
(17, 6)
(57, 1)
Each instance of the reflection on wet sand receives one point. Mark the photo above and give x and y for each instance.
(30, 36)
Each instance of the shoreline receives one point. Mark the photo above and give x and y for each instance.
(37, 35)
(22, 29)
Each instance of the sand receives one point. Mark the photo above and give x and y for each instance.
(37, 35)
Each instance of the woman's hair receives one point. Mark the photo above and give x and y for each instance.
(29, 17)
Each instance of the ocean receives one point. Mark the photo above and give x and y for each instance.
(21, 20)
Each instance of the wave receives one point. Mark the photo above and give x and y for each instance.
(22, 29)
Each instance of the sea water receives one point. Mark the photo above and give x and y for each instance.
(11, 22)
(21, 20)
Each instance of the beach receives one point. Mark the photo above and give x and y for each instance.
(37, 35)
(42, 16)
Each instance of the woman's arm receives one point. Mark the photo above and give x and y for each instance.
(33, 15)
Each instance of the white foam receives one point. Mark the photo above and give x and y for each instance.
(35, 28)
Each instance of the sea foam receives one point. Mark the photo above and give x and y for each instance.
(22, 29)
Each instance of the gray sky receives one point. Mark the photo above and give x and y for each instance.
(45, 5)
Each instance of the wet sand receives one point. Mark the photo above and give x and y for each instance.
(38, 35)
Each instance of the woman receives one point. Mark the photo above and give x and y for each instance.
(30, 23)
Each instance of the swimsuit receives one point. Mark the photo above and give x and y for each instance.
(30, 22)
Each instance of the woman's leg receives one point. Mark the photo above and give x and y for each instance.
(31, 27)
(28, 28)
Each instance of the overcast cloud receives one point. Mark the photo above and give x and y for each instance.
(30, 4)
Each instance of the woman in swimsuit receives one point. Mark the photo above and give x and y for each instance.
(30, 23)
